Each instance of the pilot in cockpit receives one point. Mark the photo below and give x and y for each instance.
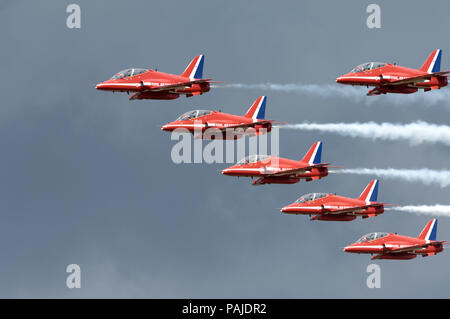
(128, 72)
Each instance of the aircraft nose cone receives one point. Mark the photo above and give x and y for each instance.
(228, 170)
(344, 79)
(290, 209)
(169, 127)
(350, 249)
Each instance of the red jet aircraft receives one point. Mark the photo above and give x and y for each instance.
(338, 208)
(151, 84)
(391, 78)
(393, 246)
(218, 125)
(276, 170)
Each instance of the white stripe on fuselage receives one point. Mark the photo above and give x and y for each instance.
(381, 246)
(320, 207)
(391, 77)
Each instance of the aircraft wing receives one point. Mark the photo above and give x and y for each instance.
(374, 91)
(174, 86)
(347, 209)
(411, 248)
(246, 125)
(297, 170)
(233, 127)
(415, 79)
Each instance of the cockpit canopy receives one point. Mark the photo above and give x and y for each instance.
(128, 72)
(367, 66)
(252, 159)
(371, 236)
(310, 197)
(193, 115)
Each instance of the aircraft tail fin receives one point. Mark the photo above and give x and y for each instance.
(430, 230)
(370, 193)
(433, 63)
(195, 69)
(314, 154)
(258, 109)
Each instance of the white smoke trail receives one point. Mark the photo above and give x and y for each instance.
(356, 94)
(425, 176)
(324, 90)
(435, 210)
(416, 132)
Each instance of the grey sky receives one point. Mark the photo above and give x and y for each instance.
(87, 176)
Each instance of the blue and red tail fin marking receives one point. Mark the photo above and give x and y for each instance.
(258, 109)
(370, 193)
(429, 232)
(195, 69)
(314, 154)
(433, 62)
